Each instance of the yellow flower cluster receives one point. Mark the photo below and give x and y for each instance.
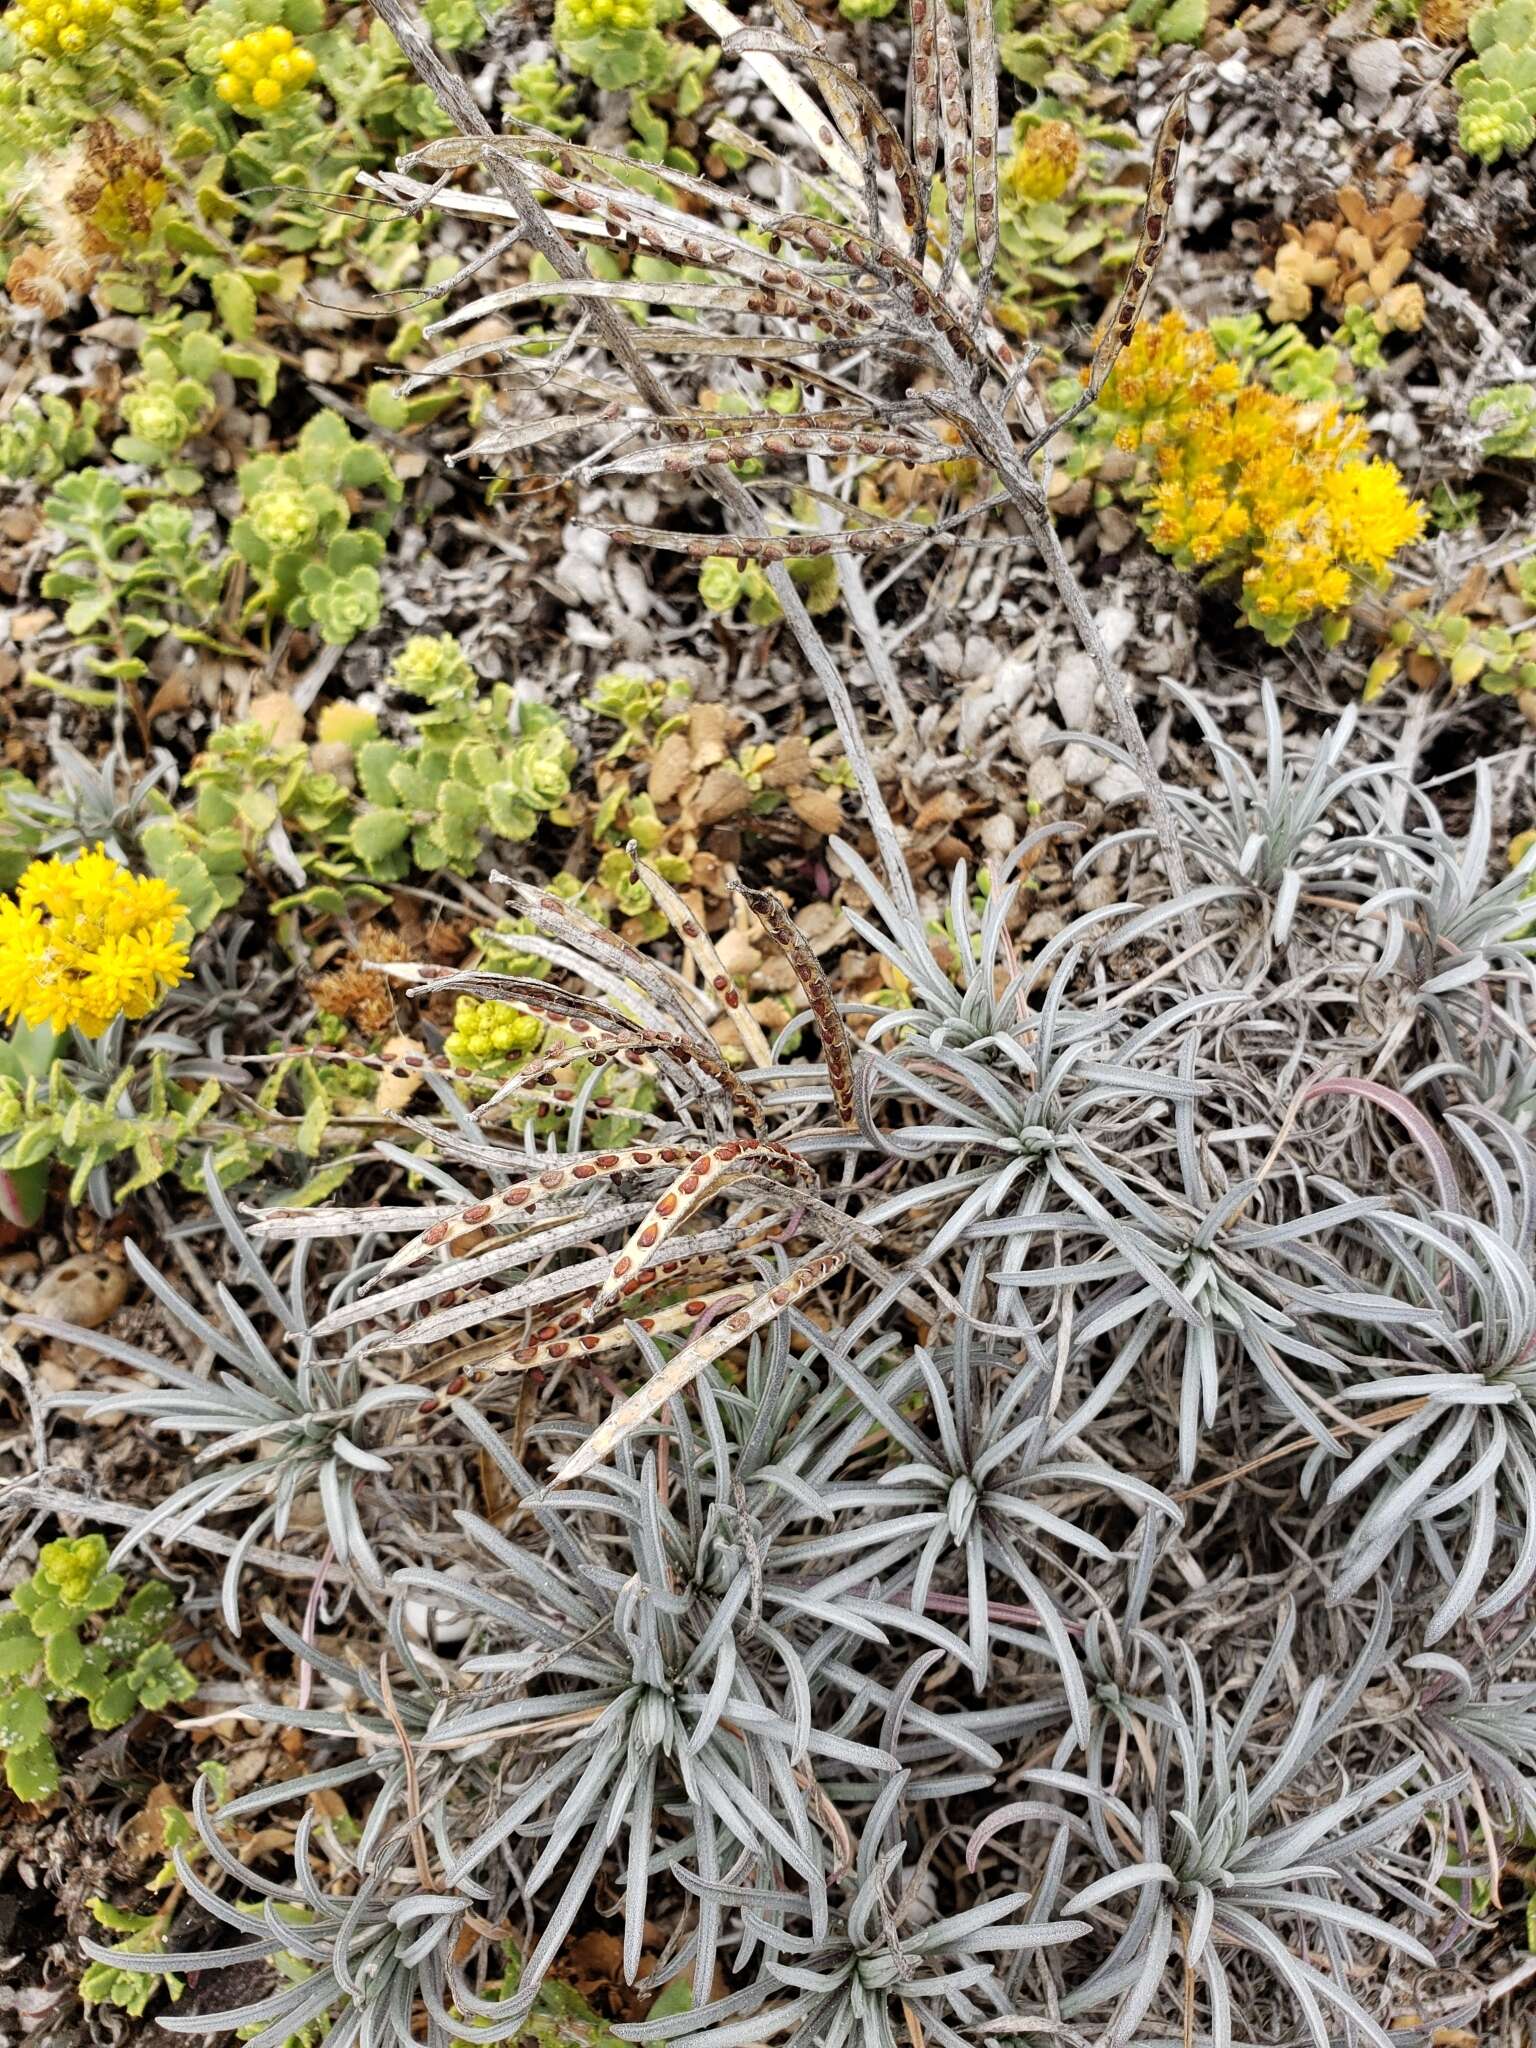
(1246, 481)
(68, 28)
(60, 28)
(1042, 164)
(490, 1036)
(262, 69)
(580, 19)
(85, 942)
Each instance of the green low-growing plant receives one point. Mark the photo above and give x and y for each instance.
(645, 708)
(59, 1641)
(724, 584)
(1498, 88)
(1500, 659)
(538, 95)
(1286, 361)
(172, 395)
(40, 440)
(1049, 51)
(618, 44)
(138, 1113)
(311, 564)
(260, 806)
(132, 567)
(108, 1983)
(481, 767)
(26, 1057)
(1507, 417)
(94, 1107)
(1062, 217)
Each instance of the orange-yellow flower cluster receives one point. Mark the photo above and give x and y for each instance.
(1245, 481)
(85, 942)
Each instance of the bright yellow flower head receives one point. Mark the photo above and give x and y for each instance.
(1250, 482)
(261, 70)
(60, 28)
(85, 942)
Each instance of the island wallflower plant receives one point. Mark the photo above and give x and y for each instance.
(84, 942)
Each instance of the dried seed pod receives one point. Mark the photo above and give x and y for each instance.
(925, 106)
(701, 950)
(803, 32)
(872, 135)
(559, 1348)
(954, 127)
(1154, 228)
(525, 1198)
(458, 1279)
(722, 1336)
(396, 1064)
(754, 547)
(556, 919)
(630, 1048)
(736, 445)
(981, 29)
(836, 1044)
(565, 1008)
(704, 1176)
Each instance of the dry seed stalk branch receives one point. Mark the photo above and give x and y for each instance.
(836, 291)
